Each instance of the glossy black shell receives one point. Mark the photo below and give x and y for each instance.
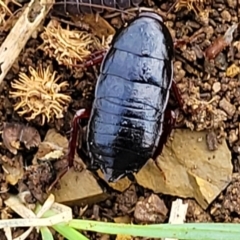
(131, 95)
(74, 7)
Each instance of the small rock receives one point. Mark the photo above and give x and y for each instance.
(232, 3)
(229, 108)
(79, 188)
(127, 200)
(151, 210)
(196, 214)
(232, 71)
(121, 185)
(221, 61)
(189, 169)
(226, 16)
(216, 87)
(232, 136)
(226, 208)
(212, 141)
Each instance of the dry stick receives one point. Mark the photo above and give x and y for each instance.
(21, 32)
(177, 214)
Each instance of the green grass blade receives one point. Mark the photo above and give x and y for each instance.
(68, 232)
(196, 231)
(46, 233)
(62, 228)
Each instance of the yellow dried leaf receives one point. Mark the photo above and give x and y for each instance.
(232, 71)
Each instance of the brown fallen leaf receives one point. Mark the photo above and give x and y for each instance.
(30, 137)
(53, 147)
(10, 135)
(14, 133)
(14, 170)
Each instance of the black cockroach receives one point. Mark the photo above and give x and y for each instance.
(129, 121)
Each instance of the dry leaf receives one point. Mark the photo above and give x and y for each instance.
(10, 135)
(14, 133)
(14, 172)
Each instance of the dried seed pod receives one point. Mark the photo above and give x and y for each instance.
(69, 47)
(39, 95)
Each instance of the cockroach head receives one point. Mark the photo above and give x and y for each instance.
(151, 15)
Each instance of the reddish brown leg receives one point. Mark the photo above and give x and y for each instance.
(177, 95)
(80, 114)
(92, 59)
(179, 42)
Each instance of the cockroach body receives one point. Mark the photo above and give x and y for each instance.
(129, 121)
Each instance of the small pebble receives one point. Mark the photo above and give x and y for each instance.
(227, 107)
(216, 87)
(226, 16)
(151, 210)
(232, 3)
(212, 141)
(232, 136)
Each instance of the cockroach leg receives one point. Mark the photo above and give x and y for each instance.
(94, 58)
(177, 95)
(59, 176)
(179, 42)
(80, 114)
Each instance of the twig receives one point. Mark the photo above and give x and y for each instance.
(178, 214)
(21, 32)
(30, 219)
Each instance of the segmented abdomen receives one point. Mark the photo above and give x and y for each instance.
(127, 113)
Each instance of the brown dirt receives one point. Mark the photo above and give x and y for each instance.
(189, 72)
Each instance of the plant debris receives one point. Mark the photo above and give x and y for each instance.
(39, 95)
(14, 133)
(5, 11)
(13, 169)
(68, 47)
(197, 6)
